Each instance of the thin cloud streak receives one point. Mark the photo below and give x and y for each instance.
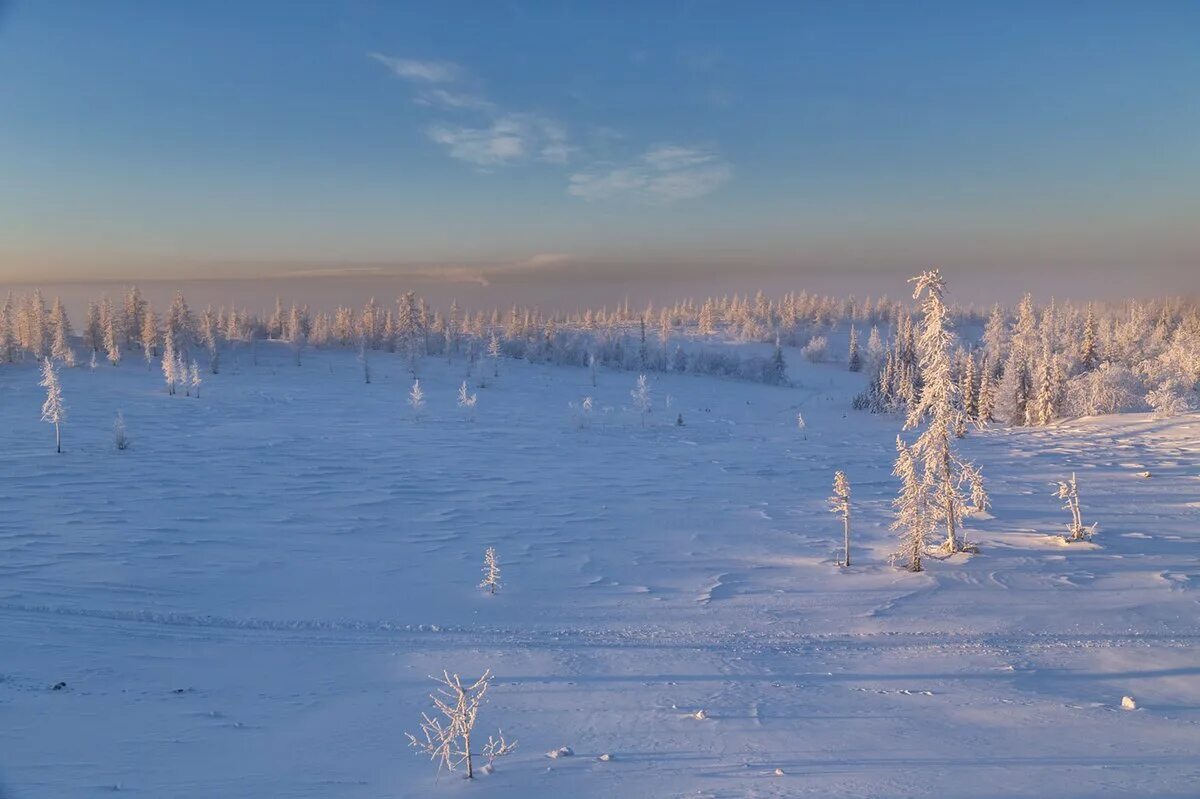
(663, 174)
(420, 71)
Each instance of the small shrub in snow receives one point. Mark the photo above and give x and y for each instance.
(816, 350)
(446, 738)
(467, 401)
(581, 415)
(1068, 492)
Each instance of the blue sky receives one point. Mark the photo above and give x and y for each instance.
(176, 138)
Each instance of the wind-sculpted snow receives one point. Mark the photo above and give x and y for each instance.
(248, 601)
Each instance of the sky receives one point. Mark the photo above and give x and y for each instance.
(623, 141)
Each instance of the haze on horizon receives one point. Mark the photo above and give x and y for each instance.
(584, 148)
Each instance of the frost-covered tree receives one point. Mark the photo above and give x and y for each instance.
(210, 338)
(194, 377)
(416, 398)
(149, 336)
(937, 408)
(60, 334)
(364, 359)
(776, 372)
(446, 737)
(1068, 492)
(8, 331)
(491, 571)
(816, 350)
(854, 360)
(1089, 356)
(467, 401)
(170, 362)
(706, 323)
(132, 317)
(110, 327)
(120, 437)
(93, 332)
(493, 352)
(642, 400)
(875, 350)
(53, 410)
(839, 503)
(995, 337)
(911, 522)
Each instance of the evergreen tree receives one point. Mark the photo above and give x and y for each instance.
(912, 520)
(60, 333)
(854, 361)
(53, 410)
(938, 409)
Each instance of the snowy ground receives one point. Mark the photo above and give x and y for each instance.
(248, 602)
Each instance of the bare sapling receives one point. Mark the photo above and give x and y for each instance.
(120, 437)
(1068, 492)
(446, 737)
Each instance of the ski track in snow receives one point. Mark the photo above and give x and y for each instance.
(247, 602)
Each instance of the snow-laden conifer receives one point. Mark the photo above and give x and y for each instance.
(53, 410)
(938, 410)
(493, 351)
(491, 571)
(194, 378)
(911, 522)
(854, 360)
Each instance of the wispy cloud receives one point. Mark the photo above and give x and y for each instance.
(509, 138)
(416, 71)
(494, 136)
(483, 133)
(662, 174)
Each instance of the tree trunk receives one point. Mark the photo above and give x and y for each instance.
(57, 439)
(846, 521)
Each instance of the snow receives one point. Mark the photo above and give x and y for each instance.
(248, 601)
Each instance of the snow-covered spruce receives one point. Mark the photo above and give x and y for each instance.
(53, 410)
(944, 473)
